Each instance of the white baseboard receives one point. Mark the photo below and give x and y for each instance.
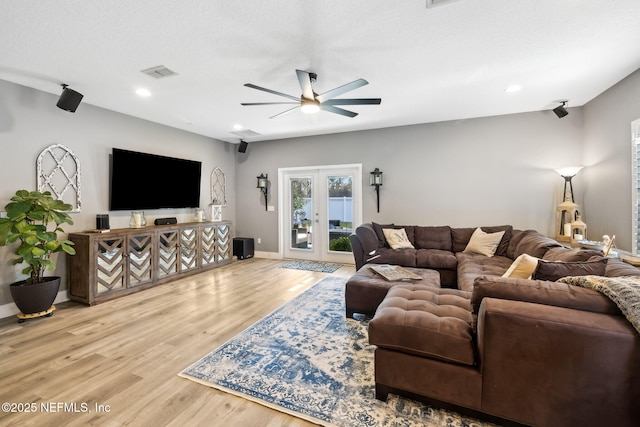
(8, 310)
(268, 255)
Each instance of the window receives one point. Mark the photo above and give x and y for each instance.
(635, 185)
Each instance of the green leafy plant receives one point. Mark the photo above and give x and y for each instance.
(30, 215)
(340, 244)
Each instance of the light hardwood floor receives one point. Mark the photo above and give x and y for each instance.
(127, 353)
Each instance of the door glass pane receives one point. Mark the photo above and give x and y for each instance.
(340, 209)
(301, 213)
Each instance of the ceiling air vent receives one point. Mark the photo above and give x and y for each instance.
(246, 133)
(159, 72)
(434, 3)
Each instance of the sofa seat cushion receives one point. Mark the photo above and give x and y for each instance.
(471, 266)
(436, 258)
(425, 321)
(616, 267)
(403, 257)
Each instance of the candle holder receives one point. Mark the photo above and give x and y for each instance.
(137, 220)
(199, 216)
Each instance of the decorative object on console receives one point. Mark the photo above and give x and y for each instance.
(560, 111)
(263, 185)
(375, 180)
(567, 211)
(216, 211)
(137, 220)
(102, 222)
(165, 221)
(199, 215)
(69, 99)
(58, 167)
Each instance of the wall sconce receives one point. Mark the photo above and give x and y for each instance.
(375, 179)
(263, 184)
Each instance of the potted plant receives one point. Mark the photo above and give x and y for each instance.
(33, 219)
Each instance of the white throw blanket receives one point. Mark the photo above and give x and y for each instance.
(623, 290)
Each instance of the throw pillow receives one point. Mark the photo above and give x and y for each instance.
(522, 267)
(483, 243)
(552, 271)
(397, 238)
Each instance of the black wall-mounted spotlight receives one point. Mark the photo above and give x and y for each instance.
(243, 146)
(263, 185)
(69, 99)
(560, 110)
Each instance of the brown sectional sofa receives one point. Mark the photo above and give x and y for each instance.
(521, 351)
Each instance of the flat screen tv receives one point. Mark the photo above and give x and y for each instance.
(149, 181)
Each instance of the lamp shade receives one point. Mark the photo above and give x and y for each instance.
(569, 171)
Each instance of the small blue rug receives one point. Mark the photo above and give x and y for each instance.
(323, 267)
(308, 360)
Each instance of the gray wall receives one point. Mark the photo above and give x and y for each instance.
(30, 122)
(607, 160)
(485, 171)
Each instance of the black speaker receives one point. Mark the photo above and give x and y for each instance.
(165, 221)
(243, 147)
(243, 247)
(69, 100)
(102, 222)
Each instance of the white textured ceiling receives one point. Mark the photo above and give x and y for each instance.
(448, 62)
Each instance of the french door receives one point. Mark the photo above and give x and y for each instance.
(319, 208)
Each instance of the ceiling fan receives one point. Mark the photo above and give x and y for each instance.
(311, 102)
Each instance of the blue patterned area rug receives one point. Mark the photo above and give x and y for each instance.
(323, 267)
(308, 360)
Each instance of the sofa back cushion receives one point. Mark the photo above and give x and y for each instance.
(460, 237)
(541, 292)
(569, 255)
(554, 270)
(433, 238)
(535, 244)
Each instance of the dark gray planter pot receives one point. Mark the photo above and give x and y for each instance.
(37, 297)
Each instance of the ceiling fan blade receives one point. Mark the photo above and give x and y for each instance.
(305, 84)
(341, 89)
(336, 110)
(284, 112)
(252, 86)
(354, 101)
(268, 103)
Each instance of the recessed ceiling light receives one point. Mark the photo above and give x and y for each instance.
(513, 88)
(237, 126)
(143, 92)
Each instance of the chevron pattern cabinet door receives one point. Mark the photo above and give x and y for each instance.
(140, 259)
(110, 267)
(208, 244)
(168, 253)
(188, 249)
(223, 243)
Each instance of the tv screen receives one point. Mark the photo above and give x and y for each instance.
(149, 181)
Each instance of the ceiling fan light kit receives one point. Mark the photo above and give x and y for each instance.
(310, 102)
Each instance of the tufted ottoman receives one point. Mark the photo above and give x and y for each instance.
(420, 321)
(366, 289)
